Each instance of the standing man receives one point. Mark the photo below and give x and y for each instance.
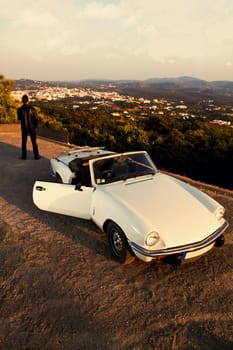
(28, 118)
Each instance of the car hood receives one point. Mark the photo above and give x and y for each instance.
(180, 213)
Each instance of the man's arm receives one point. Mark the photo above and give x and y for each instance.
(34, 117)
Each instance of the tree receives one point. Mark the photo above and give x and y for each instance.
(8, 106)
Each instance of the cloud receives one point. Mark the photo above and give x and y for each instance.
(162, 32)
(100, 11)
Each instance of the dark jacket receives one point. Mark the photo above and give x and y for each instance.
(28, 117)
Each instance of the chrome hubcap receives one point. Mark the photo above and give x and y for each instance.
(117, 241)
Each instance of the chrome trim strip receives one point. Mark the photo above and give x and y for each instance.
(181, 249)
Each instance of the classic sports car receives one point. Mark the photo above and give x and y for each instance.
(144, 212)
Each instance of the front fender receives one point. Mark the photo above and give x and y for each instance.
(106, 207)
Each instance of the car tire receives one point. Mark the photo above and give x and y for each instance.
(119, 248)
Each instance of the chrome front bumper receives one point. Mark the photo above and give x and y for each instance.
(181, 249)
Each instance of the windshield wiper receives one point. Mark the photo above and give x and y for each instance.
(139, 173)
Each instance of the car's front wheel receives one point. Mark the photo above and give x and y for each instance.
(118, 244)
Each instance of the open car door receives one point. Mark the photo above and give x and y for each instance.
(63, 198)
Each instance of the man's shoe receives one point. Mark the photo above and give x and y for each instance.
(38, 157)
(24, 158)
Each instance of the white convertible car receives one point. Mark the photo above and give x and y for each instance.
(144, 212)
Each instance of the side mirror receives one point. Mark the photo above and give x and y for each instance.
(78, 187)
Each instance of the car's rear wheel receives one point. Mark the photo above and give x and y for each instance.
(119, 248)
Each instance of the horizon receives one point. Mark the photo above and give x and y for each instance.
(116, 40)
(178, 78)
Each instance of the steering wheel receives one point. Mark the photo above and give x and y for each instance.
(106, 174)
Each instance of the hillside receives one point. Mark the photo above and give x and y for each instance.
(182, 88)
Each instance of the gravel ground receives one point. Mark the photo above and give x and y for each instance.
(59, 289)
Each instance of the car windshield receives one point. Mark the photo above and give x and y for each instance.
(122, 167)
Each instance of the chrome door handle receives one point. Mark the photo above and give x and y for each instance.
(40, 188)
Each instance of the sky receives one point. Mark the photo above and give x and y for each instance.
(116, 39)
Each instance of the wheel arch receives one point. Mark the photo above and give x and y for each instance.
(108, 222)
(105, 228)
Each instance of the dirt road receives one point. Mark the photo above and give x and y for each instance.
(59, 289)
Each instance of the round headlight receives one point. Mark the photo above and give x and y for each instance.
(152, 238)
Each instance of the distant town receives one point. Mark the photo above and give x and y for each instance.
(110, 95)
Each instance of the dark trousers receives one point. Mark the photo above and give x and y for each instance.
(32, 134)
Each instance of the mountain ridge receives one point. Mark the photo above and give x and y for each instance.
(179, 88)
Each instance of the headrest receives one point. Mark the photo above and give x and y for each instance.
(75, 164)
